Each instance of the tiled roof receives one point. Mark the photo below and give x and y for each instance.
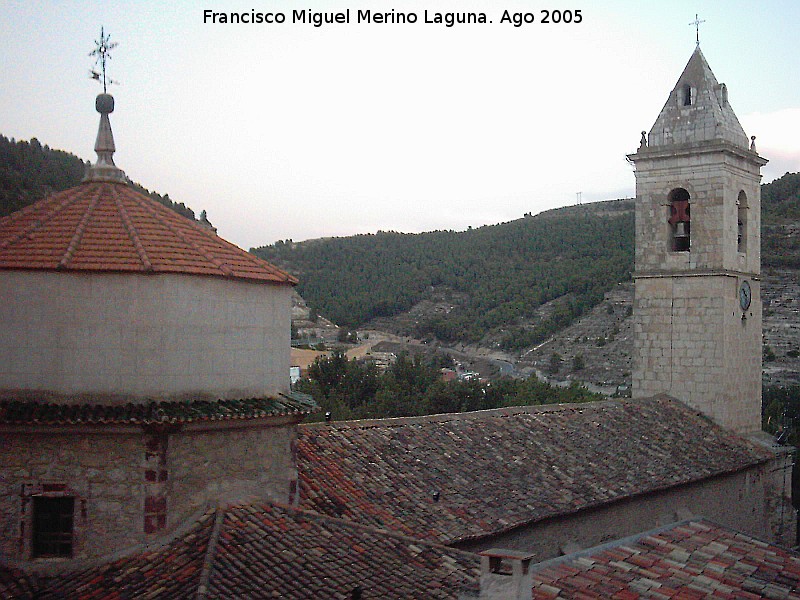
(495, 470)
(708, 117)
(274, 551)
(32, 412)
(173, 571)
(278, 552)
(103, 226)
(269, 551)
(690, 560)
(15, 584)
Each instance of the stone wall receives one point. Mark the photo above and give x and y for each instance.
(744, 501)
(143, 335)
(103, 472)
(691, 342)
(132, 486)
(714, 179)
(232, 467)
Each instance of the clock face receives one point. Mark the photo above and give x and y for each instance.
(745, 295)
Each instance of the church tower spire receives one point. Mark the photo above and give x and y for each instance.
(697, 306)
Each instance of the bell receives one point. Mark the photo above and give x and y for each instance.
(680, 230)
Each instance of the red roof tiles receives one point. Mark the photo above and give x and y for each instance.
(542, 461)
(693, 559)
(268, 551)
(173, 571)
(277, 552)
(103, 226)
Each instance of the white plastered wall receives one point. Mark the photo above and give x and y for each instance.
(143, 335)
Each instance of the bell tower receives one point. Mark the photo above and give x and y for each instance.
(697, 304)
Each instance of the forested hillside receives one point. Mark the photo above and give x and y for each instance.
(493, 279)
(780, 223)
(28, 171)
(491, 283)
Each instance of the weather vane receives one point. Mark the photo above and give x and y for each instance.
(102, 51)
(696, 24)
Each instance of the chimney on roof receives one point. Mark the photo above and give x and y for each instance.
(506, 575)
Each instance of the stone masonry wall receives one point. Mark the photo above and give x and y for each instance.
(691, 342)
(132, 486)
(230, 467)
(102, 473)
(714, 181)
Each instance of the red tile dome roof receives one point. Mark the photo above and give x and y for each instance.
(107, 226)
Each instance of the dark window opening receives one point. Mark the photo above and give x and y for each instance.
(687, 94)
(741, 222)
(52, 526)
(679, 220)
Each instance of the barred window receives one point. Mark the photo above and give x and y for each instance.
(52, 526)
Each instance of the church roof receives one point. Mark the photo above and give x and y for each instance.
(103, 225)
(172, 571)
(273, 551)
(496, 470)
(29, 412)
(106, 226)
(697, 110)
(691, 559)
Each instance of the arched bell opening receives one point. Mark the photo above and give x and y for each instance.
(679, 220)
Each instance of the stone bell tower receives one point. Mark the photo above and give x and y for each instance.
(697, 306)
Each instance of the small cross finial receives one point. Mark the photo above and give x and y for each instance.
(696, 24)
(102, 51)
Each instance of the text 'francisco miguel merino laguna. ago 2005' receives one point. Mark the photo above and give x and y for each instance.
(392, 17)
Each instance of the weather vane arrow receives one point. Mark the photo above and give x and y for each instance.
(102, 51)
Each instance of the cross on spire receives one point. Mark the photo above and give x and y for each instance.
(102, 51)
(696, 24)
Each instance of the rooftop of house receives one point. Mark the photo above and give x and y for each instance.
(457, 477)
(691, 559)
(268, 551)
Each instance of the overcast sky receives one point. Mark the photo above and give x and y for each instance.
(292, 131)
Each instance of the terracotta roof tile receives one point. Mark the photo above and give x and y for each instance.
(541, 461)
(268, 551)
(33, 412)
(173, 571)
(693, 559)
(274, 551)
(103, 226)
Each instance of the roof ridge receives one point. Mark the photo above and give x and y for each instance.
(149, 205)
(130, 229)
(211, 554)
(38, 223)
(504, 411)
(77, 236)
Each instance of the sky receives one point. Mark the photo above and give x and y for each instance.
(291, 131)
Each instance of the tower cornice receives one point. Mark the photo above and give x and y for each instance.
(695, 149)
(653, 274)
